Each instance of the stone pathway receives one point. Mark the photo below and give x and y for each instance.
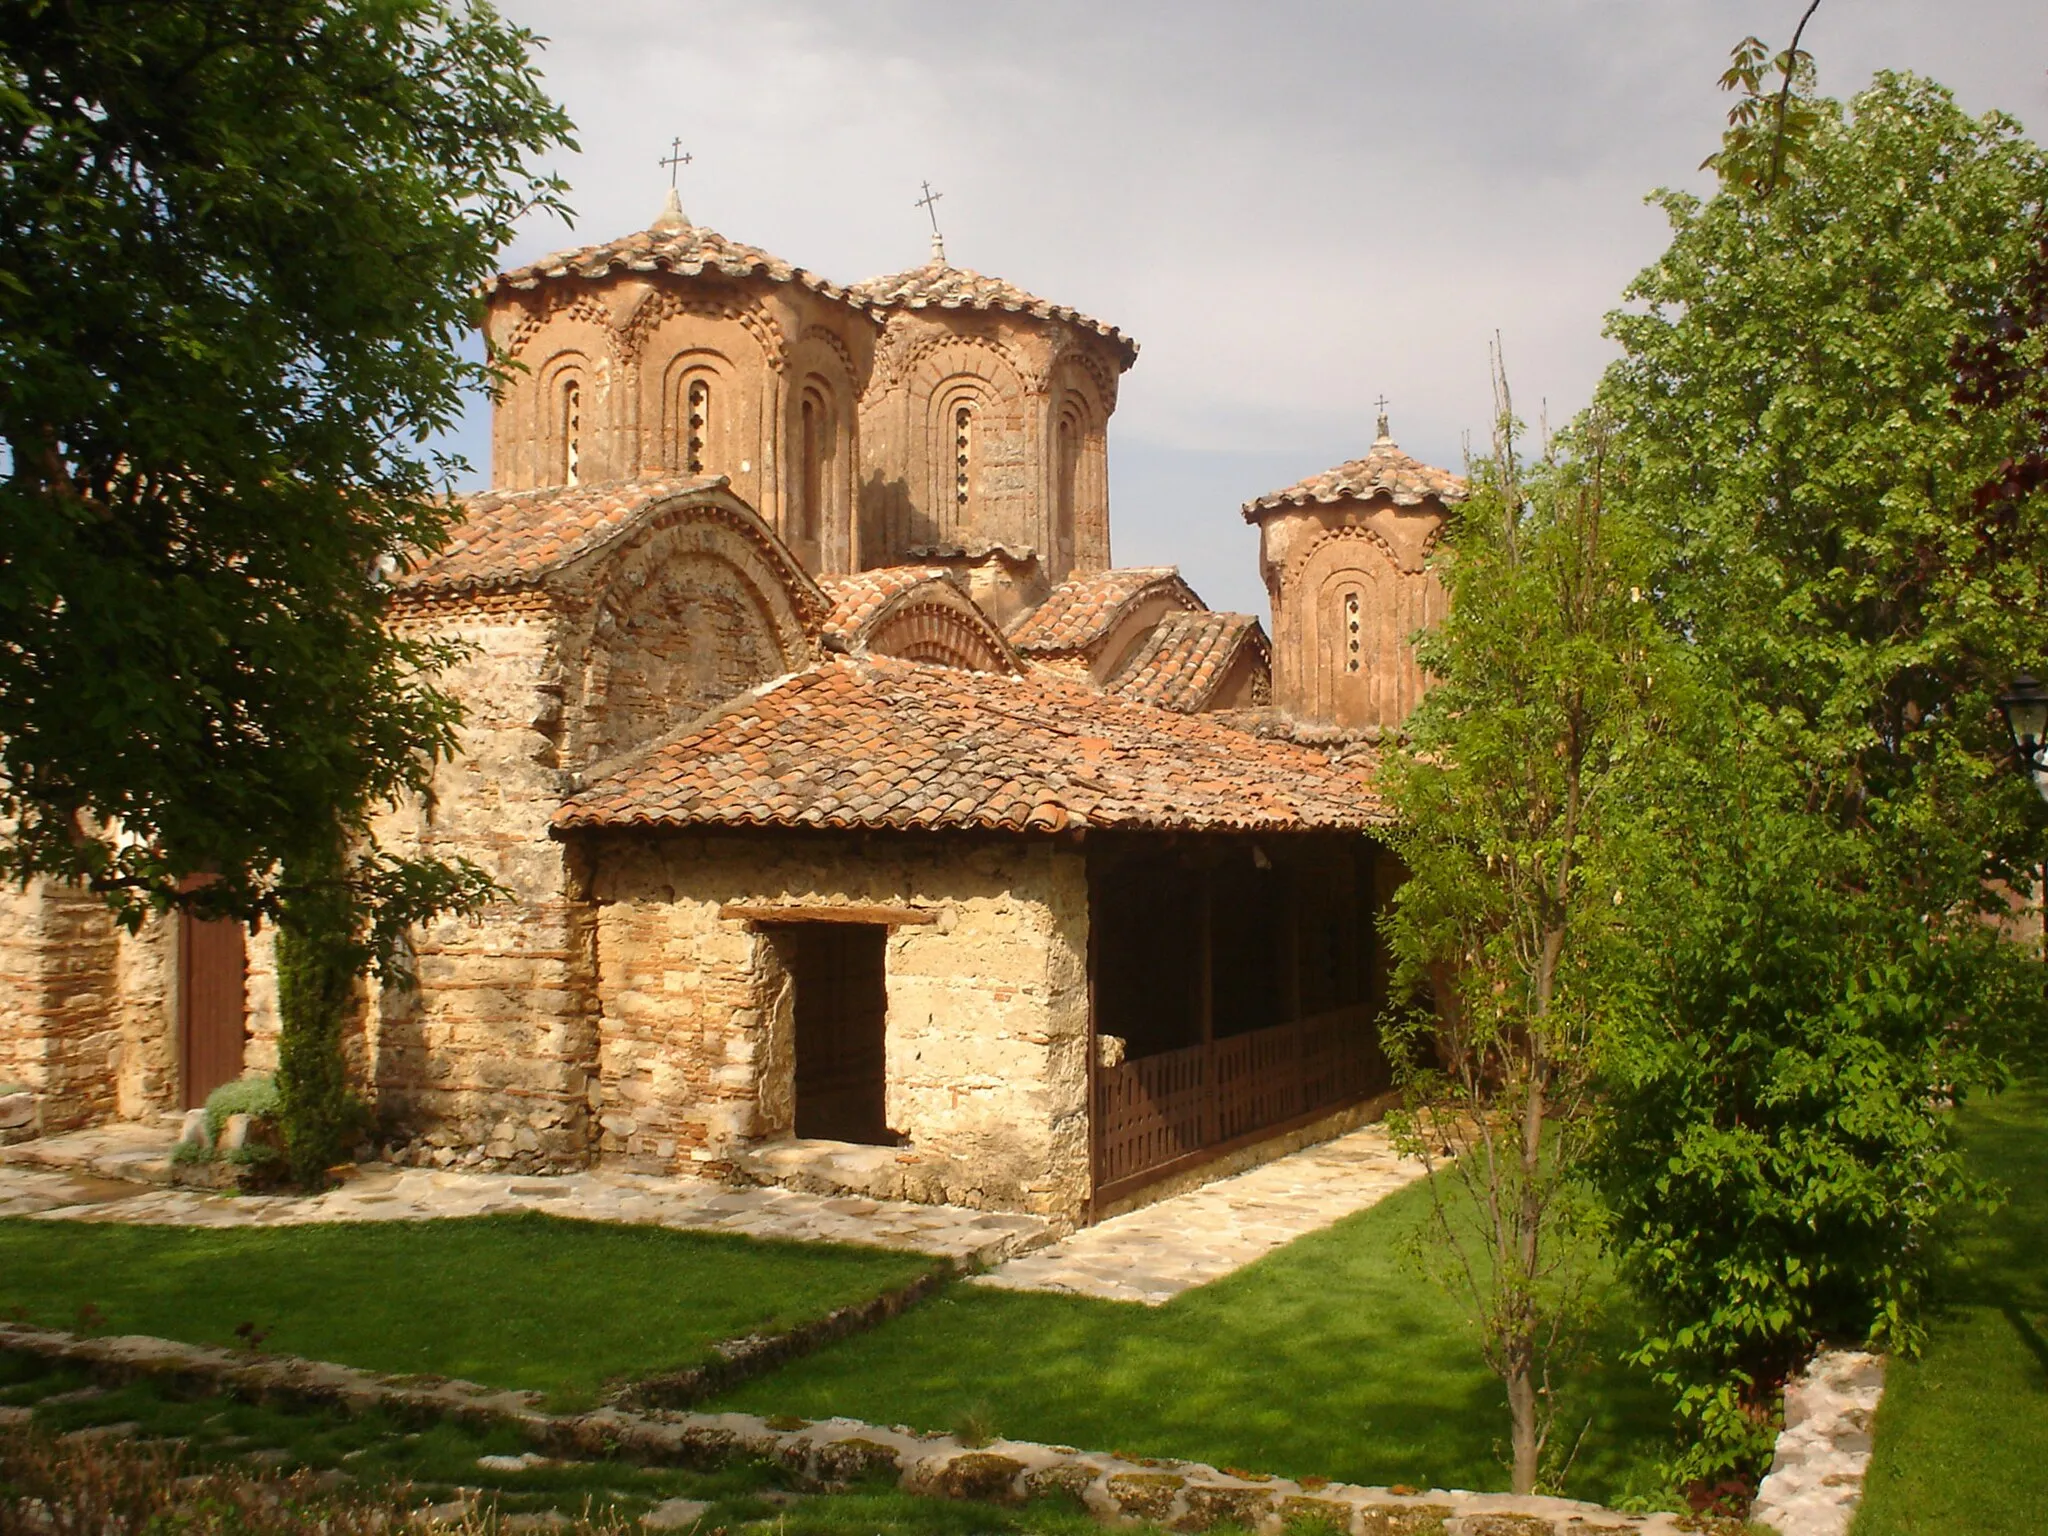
(1154, 1253)
(69, 1186)
(1816, 1477)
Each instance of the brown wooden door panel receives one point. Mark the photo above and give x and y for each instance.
(212, 1005)
(842, 1011)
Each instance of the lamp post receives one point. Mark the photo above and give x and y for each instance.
(2025, 706)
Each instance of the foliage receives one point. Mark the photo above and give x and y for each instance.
(1767, 137)
(239, 243)
(255, 1094)
(1519, 793)
(318, 961)
(1821, 950)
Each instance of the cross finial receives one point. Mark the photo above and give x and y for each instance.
(675, 160)
(930, 204)
(1381, 405)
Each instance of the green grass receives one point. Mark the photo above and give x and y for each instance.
(526, 1301)
(1331, 1356)
(1962, 1436)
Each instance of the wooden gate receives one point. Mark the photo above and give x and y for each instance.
(212, 1008)
(842, 1006)
(1159, 1114)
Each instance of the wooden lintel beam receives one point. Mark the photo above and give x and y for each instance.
(776, 912)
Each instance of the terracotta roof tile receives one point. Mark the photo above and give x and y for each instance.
(939, 285)
(671, 244)
(858, 598)
(886, 743)
(1083, 609)
(522, 535)
(1384, 471)
(1186, 656)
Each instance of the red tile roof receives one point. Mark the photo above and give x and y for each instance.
(859, 598)
(508, 536)
(937, 285)
(1081, 610)
(1384, 471)
(1187, 656)
(883, 743)
(671, 244)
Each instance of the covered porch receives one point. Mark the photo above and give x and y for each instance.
(1234, 983)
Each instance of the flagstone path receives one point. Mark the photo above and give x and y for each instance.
(1150, 1255)
(1154, 1253)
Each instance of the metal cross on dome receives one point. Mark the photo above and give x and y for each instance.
(675, 160)
(930, 204)
(1381, 405)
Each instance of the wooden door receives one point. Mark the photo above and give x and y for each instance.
(842, 1010)
(212, 1012)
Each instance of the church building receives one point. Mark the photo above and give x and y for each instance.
(864, 827)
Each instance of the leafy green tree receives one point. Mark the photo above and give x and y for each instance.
(239, 247)
(1827, 973)
(1520, 790)
(239, 243)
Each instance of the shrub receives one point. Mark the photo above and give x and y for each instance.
(254, 1095)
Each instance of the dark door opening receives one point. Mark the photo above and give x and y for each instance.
(842, 1009)
(212, 1012)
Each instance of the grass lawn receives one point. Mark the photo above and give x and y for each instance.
(1962, 1436)
(527, 1301)
(1330, 1356)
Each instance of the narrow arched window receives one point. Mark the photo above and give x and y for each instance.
(572, 432)
(963, 452)
(1353, 651)
(1069, 468)
(811, 480)
(696, 424)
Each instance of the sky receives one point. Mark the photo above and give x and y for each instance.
(1295, 206)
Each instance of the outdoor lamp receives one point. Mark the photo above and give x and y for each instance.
(2025, 705)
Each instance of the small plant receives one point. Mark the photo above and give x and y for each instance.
(976, 1427)
(251, 1336)
(191, 1154)
(255, 1096)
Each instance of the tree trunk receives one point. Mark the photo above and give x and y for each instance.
(1528, 1446)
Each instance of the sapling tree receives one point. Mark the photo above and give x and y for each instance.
(1519, 790)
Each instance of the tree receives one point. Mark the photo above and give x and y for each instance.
(1519, 792)
(1827, 975)
(239, 243)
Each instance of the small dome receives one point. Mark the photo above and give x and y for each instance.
(939, 285)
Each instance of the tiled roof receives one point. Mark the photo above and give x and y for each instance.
(1186, 656)
(510, 536)
(1082, 609)
(1384, 471)
(671, 244)
(857, 599)
(940, 285)
(883, 743)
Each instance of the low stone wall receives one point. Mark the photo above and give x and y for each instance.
(1816, 1477)
(1186, 1496)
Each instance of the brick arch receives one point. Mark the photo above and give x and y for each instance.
(936, 624)
(698, 604)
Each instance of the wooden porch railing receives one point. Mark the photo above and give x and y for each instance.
(1158, 1113)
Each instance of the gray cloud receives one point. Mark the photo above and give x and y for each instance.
(1294, 206)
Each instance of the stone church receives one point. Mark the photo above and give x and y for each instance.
(864, 826)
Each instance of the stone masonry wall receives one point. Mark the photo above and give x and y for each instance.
(489, 1058)
(988, 1006)
(58, 1034)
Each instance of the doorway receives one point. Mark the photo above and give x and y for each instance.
(841, 1027)
(213, 970)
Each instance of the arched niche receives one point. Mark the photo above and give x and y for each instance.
(937, 624)
(730, 353)
(699, 604)
(1077, 470)
(1351, 610)
(976, 447)
(821, 458)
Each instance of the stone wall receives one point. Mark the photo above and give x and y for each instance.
(988, 1006)
(489, 1056)
(59, 1033)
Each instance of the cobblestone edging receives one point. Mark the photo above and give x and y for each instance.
(1816, 1476)
(1185, 1496)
